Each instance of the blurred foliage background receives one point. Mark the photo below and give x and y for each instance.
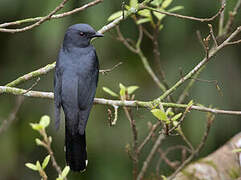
(179, 47)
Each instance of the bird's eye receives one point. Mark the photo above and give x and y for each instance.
(81, 33)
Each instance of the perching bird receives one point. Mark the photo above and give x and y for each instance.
(75, 82)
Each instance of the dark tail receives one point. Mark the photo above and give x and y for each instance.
(76, 155)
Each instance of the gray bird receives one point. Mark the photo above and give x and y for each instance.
(75, 82)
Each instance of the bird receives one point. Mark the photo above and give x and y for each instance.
(75, 83)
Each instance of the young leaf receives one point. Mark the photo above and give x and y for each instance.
(44, 121)
(36, 126)
(132, 89)
(133, 3)
(159, 114)
(122, 90)
(176, 8)
(159, 15)
(166, 3)
(236, 150)
(38, 166)
(143, 20)
(31, 166)
(109, 91)
(177, 116)
(116, 15)
(169, 112)
(145, 13)
(156, 2)
(39, 142)
(65, 172)
(45, 162)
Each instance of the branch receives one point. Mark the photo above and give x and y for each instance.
(218, 165)
(188, 17)
(42, 20)
(5, 124)
(197, 150)
(146, 104)
(198, 66)
(150, 156)
(57, 16)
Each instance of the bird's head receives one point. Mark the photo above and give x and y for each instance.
(79, 35)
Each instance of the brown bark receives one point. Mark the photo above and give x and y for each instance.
(223, 164)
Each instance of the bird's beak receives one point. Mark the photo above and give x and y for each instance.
(97, 34)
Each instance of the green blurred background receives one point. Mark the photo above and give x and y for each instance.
(24, 52)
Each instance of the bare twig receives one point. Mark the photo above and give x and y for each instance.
(188, 17)
(150, 156)
(52, 17)
(232, 15)
(221, 19)
(104, 71)
(132, 103)
(42, 20)
(33, 85)
(212, 34)
(198, 66)
(148, 137)
(6, 123)
(210, 119)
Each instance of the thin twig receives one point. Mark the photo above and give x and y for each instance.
(158, 142)
(132, 103)
(42, 20)
(212, 34)
(221, 19)
(198, 66)
(148, 137)
(104, 71)
(19, 22)
(12, 116)
(197, 150)
(188, 17)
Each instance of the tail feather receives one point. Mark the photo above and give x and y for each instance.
(76, 155)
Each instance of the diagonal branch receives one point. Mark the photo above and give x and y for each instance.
(42, 20)
(57, 16)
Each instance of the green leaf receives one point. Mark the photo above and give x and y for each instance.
(46, 161)
(39, 142)
(38, 166)
(166, 3)
(161, 27)
(156, 2)
(164, 177)
(36, 126)
(143, 20)
(31, 166)
(189, 104)
(159, 15)
(176, 8)
(169, 112)
(159, 114)
(144, 13)
(133, 3)
(116, 15)
(132, 89)
(109, 91)
(176, 117)
(65, 171)
(122, 90)
(44, 121)
(236, 150)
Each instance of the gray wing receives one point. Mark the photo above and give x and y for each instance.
(57, 95)
(86, 92)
